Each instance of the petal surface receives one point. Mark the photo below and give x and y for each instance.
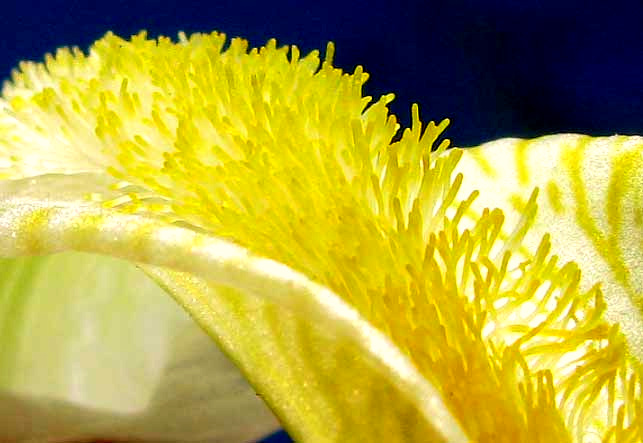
(590, 200)
(309, 353)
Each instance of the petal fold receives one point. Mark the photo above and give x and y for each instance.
(310, 355)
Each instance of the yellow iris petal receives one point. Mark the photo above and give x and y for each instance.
(369, 289)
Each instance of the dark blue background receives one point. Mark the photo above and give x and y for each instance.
(495, 68)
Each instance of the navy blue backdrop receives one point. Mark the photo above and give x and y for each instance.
(495, 68)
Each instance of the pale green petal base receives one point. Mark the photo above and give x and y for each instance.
(92, 348)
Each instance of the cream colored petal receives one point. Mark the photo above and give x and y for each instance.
(590, 198)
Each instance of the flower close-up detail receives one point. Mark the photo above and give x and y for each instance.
(369, 282)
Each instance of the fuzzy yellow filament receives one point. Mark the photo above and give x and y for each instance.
(441, 291)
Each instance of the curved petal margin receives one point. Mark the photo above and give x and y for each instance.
(310, 355)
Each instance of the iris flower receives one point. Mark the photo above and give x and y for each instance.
(369, 283)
